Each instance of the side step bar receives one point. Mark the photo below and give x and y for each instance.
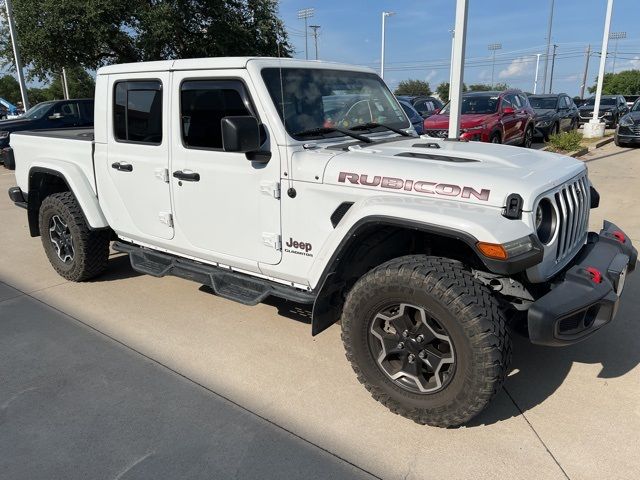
(236, 286)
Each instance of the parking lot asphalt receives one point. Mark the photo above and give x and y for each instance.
(176, 359)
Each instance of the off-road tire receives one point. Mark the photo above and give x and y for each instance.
(91, 247)
(471, 315)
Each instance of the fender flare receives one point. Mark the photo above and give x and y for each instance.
(77, 182)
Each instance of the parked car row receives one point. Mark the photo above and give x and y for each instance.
(46, 115)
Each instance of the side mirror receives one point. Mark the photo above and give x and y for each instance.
(240, 134)
(508, 111)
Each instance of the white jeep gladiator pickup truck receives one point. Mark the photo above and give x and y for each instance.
(304, 180)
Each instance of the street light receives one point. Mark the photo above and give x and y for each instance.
(493, 47)
(616, 36)
(384, 16)
(305, 14)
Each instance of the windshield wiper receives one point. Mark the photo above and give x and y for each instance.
(372, 125)
(323, 130)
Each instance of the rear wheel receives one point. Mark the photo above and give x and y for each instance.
(75, 251)
(528, 138)
(495, 138)
(426, 340)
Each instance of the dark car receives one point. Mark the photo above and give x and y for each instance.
(628, 130)
(414, 116)
(612, 108)
(631, 99)
(426, 106)
(496, 117)
(46, 115)
(555, 113)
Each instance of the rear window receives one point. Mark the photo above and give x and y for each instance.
(137, 112)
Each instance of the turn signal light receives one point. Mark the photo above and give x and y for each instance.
(492, 250)
(596, 276)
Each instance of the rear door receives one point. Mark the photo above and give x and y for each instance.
(509, 120)
(226, 203)
(133, 177)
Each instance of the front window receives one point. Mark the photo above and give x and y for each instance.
(320, 98)
(476, 104)
(603, 101)
(636, 106)
(543, 103)
(38, 111)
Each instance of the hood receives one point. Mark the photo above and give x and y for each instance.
(14, 124)
(544, 112)
(470, 172)
(440, 122)
(603, 108)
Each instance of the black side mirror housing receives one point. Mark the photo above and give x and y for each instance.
(240, 134)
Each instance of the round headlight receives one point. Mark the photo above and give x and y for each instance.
(545, 221)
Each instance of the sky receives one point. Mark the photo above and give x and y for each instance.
(418, 38)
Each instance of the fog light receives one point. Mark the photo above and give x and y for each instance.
(596, 276)
(619, 236)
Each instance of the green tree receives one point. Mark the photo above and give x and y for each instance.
(443, 90)
(483, 87)
(37, 95)
(81, 84)
(623, 83)
(89, 33)
(413, 87)
(10, 89)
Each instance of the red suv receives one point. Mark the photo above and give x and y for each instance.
(496, 117)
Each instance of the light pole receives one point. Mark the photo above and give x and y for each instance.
(457, 78)
(586, 71)
(315, 29)
(384, 17)
(305, 14)
(453, 37)
(553, 64)
(16, 55)
(616, 36)
(546, 57)
(595, 128)
(535, 80)
(492, 48)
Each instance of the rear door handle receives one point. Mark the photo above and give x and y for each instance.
(187, 176)
(122, 166)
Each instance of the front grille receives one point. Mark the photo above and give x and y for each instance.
(438, 133)
(635, 128)
(572, 201)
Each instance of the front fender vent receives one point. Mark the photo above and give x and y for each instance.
(340, 212)
(439, 158)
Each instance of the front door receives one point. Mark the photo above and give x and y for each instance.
(509, 120)
(226, 205)
(133, 176)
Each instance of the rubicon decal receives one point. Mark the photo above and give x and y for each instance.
(420, 186)
(300, 248)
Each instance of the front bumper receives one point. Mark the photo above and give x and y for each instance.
(542, 131)
(588, 295)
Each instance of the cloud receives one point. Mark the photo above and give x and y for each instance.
(635, 63)
(517, 68)
(431, 75)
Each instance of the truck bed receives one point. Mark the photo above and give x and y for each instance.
(85, 134)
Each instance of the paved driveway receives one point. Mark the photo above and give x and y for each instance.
(564, 413)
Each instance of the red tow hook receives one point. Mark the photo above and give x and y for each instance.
(596, 276)
(619, 236)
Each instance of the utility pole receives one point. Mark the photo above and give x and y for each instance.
(535, 80)
(65, 85)
(457, 78)
(616, 36)
(16, 55)
(546, 57)
(315, 37)
(453, 37)
(553, 64)
(586, 71)
(492, 48)
(384, 17)
(595, 128)
(305, 14)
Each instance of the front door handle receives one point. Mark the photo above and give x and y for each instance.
(187, 176)
(122, 166)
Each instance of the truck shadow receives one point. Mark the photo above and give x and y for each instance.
(119, 269)
(537, 372)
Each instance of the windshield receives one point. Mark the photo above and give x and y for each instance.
(38, 111)
(636, 106)
(476, 104)
(543, 103)
(603, 101)
(319, 98)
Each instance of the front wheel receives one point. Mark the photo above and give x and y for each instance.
(75, 251)
(426, 339)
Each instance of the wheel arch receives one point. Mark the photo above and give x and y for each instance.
(370, 242)
(44, 181)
